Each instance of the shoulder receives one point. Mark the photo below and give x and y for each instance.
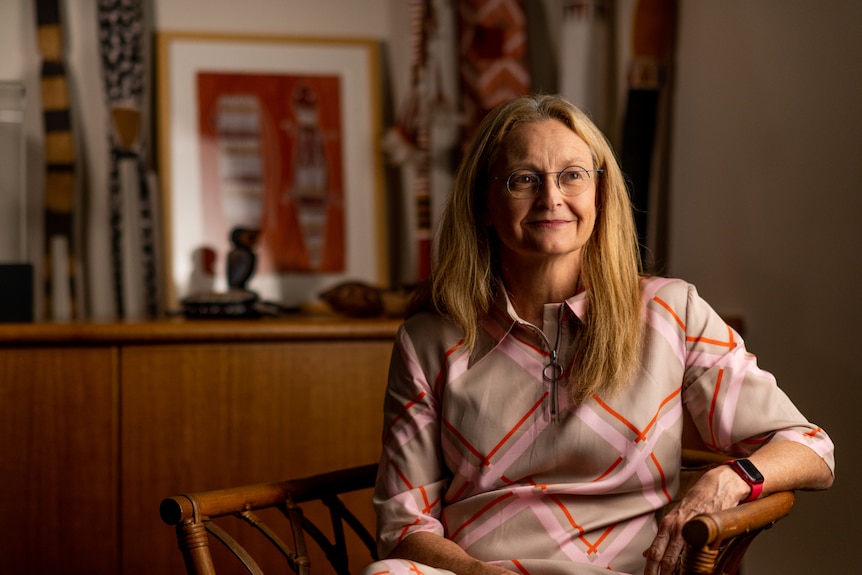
(430, 332)
(679, 302)
(669, 291)
(676, 296)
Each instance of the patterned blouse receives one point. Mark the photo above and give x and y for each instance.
(472, 449)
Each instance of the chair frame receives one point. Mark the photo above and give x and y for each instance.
(715, 542)
(193, 514)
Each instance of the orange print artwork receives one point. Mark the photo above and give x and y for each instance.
(271, 158)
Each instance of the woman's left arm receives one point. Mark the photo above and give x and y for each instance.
(738, 409)
(785, 465)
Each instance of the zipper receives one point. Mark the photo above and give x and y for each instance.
(553, 370)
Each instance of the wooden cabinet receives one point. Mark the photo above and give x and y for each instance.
(100, 422)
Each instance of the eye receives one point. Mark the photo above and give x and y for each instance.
(571, 175)
(523, 179)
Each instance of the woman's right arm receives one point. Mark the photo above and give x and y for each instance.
(413, 477)
(436, 551)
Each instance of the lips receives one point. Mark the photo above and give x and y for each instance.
(548, 223)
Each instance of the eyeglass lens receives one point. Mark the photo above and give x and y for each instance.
(525, 183)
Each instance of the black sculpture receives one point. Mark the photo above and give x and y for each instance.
(241, 259)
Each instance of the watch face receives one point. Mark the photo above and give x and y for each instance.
(750, 470)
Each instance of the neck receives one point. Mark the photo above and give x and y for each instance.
(531, 287)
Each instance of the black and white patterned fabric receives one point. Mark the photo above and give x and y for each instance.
(123, 48)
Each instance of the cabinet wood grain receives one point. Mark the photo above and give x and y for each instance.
(102, 421)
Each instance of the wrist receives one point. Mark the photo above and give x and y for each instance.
(752, 477)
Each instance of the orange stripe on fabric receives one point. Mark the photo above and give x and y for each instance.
(461, 490)
(609, 470)
(730, 334)
(403, 477)
(520, 567)
(670, 310)
(539, 486)
(661, 474)
(482, 511)
(463, 441)
(661, 405)
(713, 404)
(454, 348)
(424, 493)
(623, 420)
(591, 547)
(595, 548)
(729, 344)
(406, 530)
(446, 356)
(515, 428)
(813, 433)
(532, 346)
(404, 411)
(569, 517)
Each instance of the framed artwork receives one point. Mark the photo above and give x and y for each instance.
(274, 134)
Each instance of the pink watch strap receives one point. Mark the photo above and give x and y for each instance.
(756, 490)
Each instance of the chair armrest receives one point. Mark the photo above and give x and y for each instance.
(710, 529)
(180, 508)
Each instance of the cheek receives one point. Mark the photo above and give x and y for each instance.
(586, 208)
(506, 219)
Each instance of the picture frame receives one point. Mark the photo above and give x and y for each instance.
(282, 132)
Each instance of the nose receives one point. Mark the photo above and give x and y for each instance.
(550, 193)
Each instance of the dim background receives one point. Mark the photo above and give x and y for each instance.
(765, 194)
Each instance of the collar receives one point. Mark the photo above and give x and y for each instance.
(501, 319)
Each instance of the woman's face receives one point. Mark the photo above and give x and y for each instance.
(549, 226)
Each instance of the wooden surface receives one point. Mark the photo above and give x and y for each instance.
(58, 460)
(102, 421)
(292, 328)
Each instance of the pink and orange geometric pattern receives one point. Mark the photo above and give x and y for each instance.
(470, 449)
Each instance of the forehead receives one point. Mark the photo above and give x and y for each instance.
(547, 144)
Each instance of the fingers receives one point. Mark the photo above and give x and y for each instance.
(664, 553)
(672, 555)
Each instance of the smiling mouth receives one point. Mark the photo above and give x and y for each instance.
(545, 223)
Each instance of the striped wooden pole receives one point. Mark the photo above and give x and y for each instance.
(61, 185)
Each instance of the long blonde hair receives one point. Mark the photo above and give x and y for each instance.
(464, 281)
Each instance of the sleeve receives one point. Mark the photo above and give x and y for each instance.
(735, 405)
(411, 478)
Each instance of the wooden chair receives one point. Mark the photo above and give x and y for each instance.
(194, 515)
(715, 542)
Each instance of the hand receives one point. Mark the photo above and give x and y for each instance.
(719, 488)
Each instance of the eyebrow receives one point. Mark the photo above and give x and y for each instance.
(575, 163)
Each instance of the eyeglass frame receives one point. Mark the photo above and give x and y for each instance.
(541, 180)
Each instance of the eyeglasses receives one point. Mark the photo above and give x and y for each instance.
(523, 184)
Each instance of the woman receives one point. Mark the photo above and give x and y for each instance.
(534, 412)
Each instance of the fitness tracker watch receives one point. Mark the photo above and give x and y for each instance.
(749, 473)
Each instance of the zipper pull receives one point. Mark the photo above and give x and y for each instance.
(552, 373)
